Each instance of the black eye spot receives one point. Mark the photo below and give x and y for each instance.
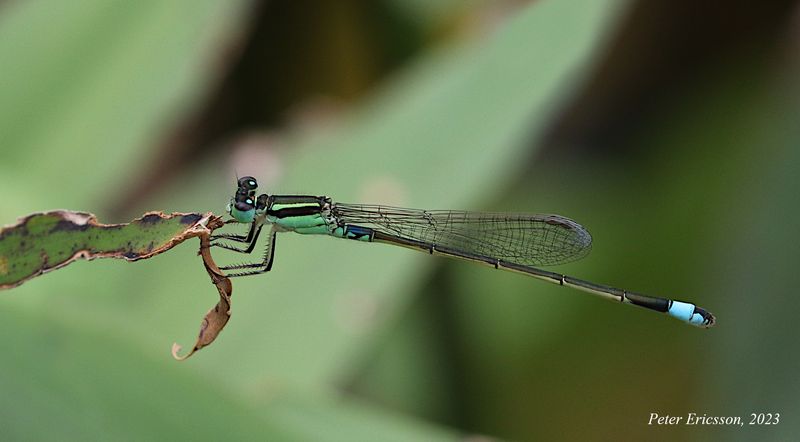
(247, 183)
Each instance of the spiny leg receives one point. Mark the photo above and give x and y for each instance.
(230, 237)
(235, 237)
(267, 261)
(253, 239)
(264, 266)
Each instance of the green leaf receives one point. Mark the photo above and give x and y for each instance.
(43, 242)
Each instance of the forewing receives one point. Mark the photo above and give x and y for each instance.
(527, 239)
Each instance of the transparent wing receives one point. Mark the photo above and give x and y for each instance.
(526, 239)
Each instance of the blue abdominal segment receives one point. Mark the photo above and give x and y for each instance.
(685, 312)
(357, 233)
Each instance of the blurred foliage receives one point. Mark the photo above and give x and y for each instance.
(115, 107)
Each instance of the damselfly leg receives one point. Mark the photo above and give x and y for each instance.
(236, 237)
(263, 266)
(251, 239)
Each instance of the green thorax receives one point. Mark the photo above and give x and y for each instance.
(299, 213)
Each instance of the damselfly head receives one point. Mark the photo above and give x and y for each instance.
(242, 207)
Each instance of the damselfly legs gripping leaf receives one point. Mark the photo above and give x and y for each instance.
(515, 242)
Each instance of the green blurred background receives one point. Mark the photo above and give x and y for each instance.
(669, 129)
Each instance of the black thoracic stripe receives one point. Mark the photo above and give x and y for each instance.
(294, 211)
(305, 205)
(291, 199)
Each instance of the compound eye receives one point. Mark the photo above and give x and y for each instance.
(244, 204)
(248, 183)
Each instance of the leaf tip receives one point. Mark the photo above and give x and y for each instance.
(176, 348)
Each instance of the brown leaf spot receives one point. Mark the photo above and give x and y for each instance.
(151, 218)
(190, 218)
(68, 226)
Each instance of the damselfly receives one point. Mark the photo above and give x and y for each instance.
(515, 242)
